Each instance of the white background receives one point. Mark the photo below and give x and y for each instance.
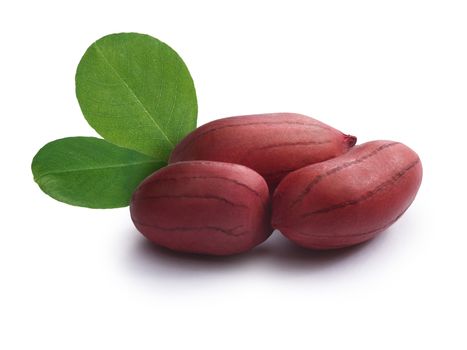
(76, 278)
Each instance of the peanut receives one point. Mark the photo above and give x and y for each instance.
(349, 199)
(271, 144)
(203, 207)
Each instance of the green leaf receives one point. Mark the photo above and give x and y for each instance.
(136, 92)
(90, 172)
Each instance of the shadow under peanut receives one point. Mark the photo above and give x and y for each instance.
(277, 255)
(150, 260)
(289, 257)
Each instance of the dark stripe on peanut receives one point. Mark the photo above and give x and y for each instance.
(303, 124)
(256, 193)
(317, 179)
(229, 231)
(249, 152)
(361, 233)
(208, 197)
(380, 188)
(291, 144)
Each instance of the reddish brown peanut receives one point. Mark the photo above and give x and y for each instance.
(203, 207)
(349, 199)
(271, 144)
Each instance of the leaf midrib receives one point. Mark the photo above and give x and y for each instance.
(148, 114)
(96, 168)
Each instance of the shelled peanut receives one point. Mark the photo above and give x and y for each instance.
(348, 199)
(216, 195)
(271, 144)
(203, 207)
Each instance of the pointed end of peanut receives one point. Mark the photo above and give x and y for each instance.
(350, 140)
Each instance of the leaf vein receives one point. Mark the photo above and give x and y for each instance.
(98, 49)
(113, 166)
